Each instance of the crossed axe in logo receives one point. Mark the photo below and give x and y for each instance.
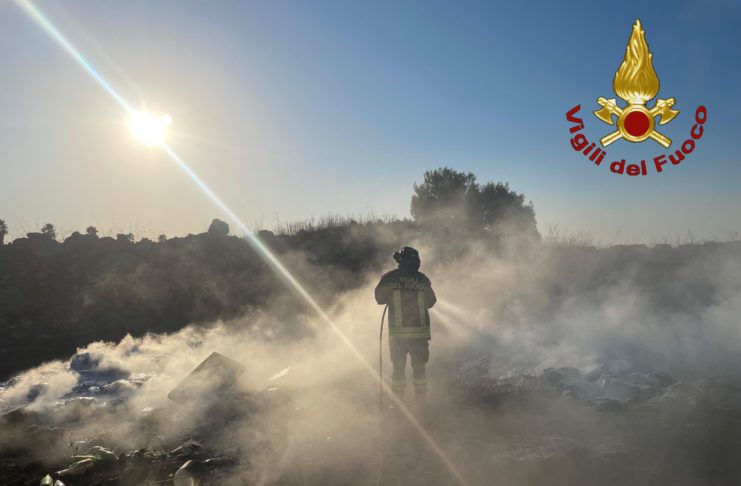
(640, 120)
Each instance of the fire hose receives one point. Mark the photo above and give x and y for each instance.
(380, 399)
(380, 363)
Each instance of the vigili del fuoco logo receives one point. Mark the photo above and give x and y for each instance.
(636, 83)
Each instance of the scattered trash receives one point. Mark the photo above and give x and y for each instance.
(104, 454)
(191, 473)
(214, 376)
(189, 449)
(79, 467)
(612, 387)
(221, 461)
(280, 374)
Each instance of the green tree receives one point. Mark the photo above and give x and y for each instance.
(91, 230)
(49, 231)
(445, 196)
(498, 203)
(3, 231)
(454, 200)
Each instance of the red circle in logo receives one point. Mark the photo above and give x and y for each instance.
(636, 123)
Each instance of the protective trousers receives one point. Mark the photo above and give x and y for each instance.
(418, 349)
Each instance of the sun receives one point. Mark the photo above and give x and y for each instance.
(148, 128)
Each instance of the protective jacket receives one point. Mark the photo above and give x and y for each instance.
(408, 294)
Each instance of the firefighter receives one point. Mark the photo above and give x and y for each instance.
(409, 295)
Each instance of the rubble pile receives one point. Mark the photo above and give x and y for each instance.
(615, 424)
(34, 444)
(92, 434)
(613, 387)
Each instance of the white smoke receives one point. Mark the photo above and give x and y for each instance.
(575, 307)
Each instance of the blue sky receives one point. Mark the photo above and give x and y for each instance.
(297, 109)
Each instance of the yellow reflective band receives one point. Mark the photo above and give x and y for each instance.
(422, 308)
(398, 319)
(409, 332)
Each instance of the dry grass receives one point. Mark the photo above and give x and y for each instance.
(330, 221)
(559, 238)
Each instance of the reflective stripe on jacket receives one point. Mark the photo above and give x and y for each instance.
(408, 294)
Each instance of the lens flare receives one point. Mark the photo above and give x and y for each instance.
(148, 128)
(43, 22)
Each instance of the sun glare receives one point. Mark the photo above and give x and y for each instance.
(148, 128)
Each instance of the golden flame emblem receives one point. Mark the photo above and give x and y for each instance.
(636, 82)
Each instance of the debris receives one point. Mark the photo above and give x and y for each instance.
(88, 366)
(647, 379)
(19, 417)
(47, 481)
(143, 456)
(189, 449)
(561, 376)
(603, 404)
(190, 474)
(118, 387)
(620, 390)
(221, 461)
(214, 376)
(597, 373)
(104, 454)
(79, 467)
(280, 374)
(583, 390)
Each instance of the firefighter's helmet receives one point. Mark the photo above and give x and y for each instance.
(407, 256)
